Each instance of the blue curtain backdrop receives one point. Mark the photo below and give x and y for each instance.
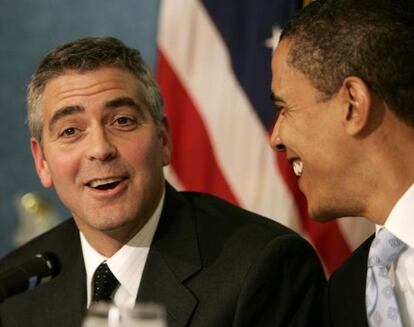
(29, 29)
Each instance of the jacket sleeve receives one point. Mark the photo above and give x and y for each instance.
(284, 286)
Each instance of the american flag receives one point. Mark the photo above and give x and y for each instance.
(214, 72)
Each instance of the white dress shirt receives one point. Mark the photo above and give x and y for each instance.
(400, 222)
(127, 264)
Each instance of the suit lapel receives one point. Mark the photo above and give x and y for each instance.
(346, 290)
(356, 298)
(172, 259)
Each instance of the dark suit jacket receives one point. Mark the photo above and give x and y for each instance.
(210, 264)
(344, 301)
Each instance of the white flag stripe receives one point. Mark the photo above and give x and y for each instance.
(355, 230)
(240, 160)
(172, 178)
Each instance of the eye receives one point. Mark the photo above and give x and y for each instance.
(124, 122)
(279, 110)
(69, 132)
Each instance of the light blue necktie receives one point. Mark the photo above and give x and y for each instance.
(382, 307)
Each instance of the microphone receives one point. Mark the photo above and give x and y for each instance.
(37, 270)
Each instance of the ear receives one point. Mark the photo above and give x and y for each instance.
(357, 101)
(41, 165)
(166, 142)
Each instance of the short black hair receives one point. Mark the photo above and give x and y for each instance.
(370, 39)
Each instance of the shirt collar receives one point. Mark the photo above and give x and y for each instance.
(128, 262)
(400, 222)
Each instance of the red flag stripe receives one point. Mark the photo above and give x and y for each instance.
(215, 126)
(199, 57)
(202, 172)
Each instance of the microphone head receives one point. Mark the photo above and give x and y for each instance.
(37, 270)
(52, 263)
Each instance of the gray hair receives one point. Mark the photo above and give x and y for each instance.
(88, 54)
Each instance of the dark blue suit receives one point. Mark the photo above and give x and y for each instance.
(344, 302)
(210, 264)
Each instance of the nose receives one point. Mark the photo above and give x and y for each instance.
(275, 139)
(100, 146)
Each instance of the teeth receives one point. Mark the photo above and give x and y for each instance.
(100, 182)
(298, 167)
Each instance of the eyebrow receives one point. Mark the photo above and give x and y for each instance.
(64, 112)
(125, 101)
(275, 98)
(112, 104)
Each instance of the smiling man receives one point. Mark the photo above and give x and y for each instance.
(100, 138)
(89, 151)
(343, 86)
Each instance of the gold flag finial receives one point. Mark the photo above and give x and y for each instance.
(36, 216)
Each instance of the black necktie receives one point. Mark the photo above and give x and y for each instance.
(104, 283)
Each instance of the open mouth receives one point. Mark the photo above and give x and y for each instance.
(297, 167)
(105, 184)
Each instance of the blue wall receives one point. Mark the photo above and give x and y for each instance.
(28, 30)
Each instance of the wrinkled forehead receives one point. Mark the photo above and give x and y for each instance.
(289, 84)
(281, 69)
(87, 83)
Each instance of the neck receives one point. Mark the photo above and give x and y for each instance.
(390, 163)
(381, 203)
(107, 243)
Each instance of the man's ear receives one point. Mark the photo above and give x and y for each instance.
(357, 101)
(41, 165)
(166, 142)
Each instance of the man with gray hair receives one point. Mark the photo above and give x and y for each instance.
(100, 138)
(343, 86)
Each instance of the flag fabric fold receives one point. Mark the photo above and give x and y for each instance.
(214, 71)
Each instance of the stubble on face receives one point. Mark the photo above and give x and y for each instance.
(107, 163)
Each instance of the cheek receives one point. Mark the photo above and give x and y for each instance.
(149, 150)
(63, 165)
(294, 134)
(140, 155)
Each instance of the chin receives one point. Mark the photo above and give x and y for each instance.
(325, 214)
(110, 222)
(321, 217)
(112, 226)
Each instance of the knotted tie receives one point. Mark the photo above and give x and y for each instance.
(382, 307)
(104, 283)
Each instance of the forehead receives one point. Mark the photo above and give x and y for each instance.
(279, 62)
(286, 80)
(79, 86)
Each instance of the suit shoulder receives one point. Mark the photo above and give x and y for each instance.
(54, 240)
(222, 221)
(219, 209)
